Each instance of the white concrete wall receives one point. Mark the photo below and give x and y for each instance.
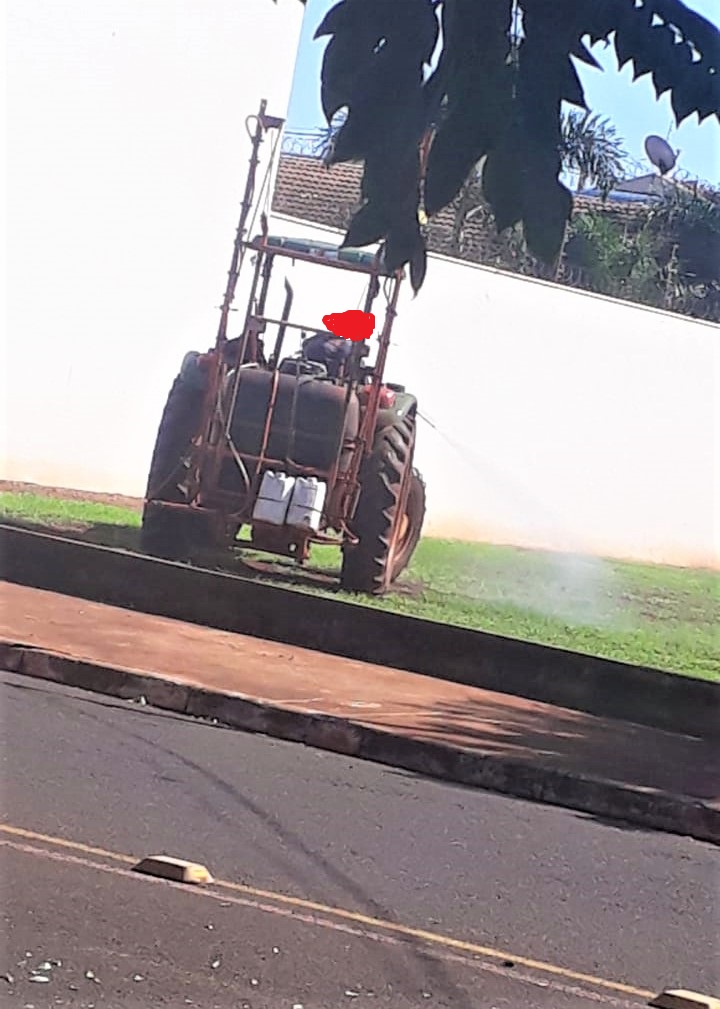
(127, 154)
(566, 421)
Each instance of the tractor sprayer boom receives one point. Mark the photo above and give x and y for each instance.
(263, 123)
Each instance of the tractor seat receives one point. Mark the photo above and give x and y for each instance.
(299, 366)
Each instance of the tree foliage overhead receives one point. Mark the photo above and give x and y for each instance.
(494, 96)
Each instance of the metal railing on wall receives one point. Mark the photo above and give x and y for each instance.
(306, 143)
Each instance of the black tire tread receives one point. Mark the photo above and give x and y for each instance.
(364, 566)
(164, 532)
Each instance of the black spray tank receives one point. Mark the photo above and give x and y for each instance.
(309, 427)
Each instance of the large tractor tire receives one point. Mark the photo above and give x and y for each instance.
(411, 525)
(390, 513)
(167, 532)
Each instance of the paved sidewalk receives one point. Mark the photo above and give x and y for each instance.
(406, 705)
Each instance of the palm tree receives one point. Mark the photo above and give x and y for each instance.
(504, 70)
(591, 149)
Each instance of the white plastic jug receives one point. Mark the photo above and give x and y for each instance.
(307, 503)
(274, 497)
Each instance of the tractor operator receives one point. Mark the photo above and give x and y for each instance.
(326, 348)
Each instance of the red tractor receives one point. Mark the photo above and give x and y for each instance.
(310, 447)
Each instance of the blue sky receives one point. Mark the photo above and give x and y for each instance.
(632, 108)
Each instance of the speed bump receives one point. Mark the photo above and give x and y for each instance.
(679, 998)
(175, 869)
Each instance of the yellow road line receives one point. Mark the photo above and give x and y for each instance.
(305, 917)
(406, 931)
(60, 842)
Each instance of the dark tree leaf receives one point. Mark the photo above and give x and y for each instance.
(708, 95)
(367, 227)
(624, 48)
(418, 266)
(601, 19)
(545, 220)
(642, 64)
(572, 89)
(664, 47)
(406, 245)
(339, 77)
(479, 91)
(701, 33)
(581, 52)
(332, 22)
(683, 103)
(454, 153)
(631, 34)
(377, 75)
(502, 187)
(394, 87)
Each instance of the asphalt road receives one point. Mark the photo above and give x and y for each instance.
(383, 852)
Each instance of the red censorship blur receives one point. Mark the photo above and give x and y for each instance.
(351, 325)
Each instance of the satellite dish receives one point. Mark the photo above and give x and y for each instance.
(660, 153)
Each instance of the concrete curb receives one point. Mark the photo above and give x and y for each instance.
(475, 658)
(646, 808)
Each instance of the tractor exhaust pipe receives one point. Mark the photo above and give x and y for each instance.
(289, 295)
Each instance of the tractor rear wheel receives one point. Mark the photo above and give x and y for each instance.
(389, 515)
(168, 532)
(411, 525)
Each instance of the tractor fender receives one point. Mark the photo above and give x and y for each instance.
(191, 373)
(405, 405)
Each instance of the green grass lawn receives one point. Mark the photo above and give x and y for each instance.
(65, 514)
(639, 613)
